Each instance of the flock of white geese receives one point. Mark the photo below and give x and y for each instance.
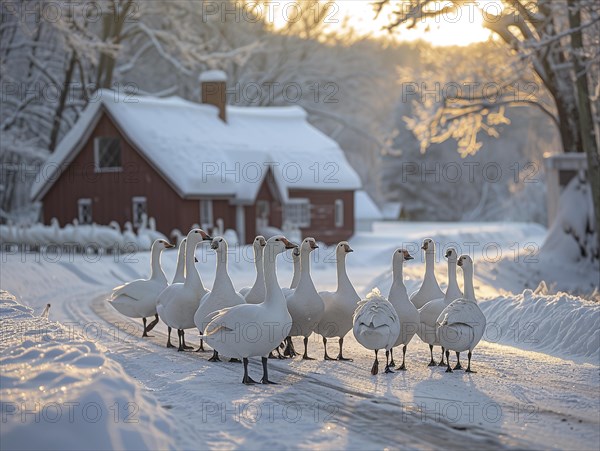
(262, 319)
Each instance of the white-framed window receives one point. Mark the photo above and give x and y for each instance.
(139, 207)
(206, 213)
(84, 211)
(107, 154)
(339, 213)
(297, 212)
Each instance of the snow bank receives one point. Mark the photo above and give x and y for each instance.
(558, 324)
(59, 391)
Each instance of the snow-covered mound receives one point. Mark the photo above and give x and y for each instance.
(572, 235)
(59, 391)
(558, 324)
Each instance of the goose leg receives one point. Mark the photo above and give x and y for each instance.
(152, 324)
(469, 370)
(458, 365)
(392, 363)
(183, 341)
(340, 356)
(305, 355)
(169, 344)
(325, 346)
(265, 378)
(247, 379)
(432, 362)
(289, 348)
(442, 363)
(387, 362)
(201, 348)
(448, 369)
(375, 367)
(215, 357)
(403, 366)
(180, 336)
(145, 333)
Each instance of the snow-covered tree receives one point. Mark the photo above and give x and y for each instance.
(556, 41)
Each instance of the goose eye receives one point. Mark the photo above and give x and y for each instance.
(276, 239)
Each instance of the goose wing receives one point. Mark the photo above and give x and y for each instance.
(376, 313)
(137, 290)
(462, 311)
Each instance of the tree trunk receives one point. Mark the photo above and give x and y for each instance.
(62, 102)
(586, 125)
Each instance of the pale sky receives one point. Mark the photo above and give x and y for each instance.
(461, 29)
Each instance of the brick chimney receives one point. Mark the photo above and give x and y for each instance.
(213, 84)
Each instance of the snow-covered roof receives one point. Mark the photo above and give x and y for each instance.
(365, 207)
(200, 155)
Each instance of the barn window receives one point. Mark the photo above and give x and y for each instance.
(297, 212)
(139, 208)
(84, 211)
(206, 213)
(339, 213)
(107, 154)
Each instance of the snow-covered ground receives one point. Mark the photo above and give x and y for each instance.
(536, 386)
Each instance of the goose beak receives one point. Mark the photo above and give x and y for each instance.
(169, 246)
(195, 260)
(408, 257)
(349, 249)
(288, 244)
(447, 254)
(459, 263)
(314, 246)
(206, 237)
(214, 246)
(424, 247)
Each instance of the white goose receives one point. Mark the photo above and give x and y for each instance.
(462, 324)
(339, 304)
(223, 294)
(376, 326)
(177, 303)
(271, 317)
(429, 313)
(429, 288)
(304, 303)
(407, 312)
(137, 299)
(256, 293)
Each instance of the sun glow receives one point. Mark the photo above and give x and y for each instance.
(463, 26)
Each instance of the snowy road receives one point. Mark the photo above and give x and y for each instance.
(518, 398)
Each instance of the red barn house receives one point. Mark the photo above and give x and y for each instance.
(187, 163)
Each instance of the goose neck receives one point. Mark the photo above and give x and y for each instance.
(192, 277)
(273, 294)
(452, 282)
(156, 272)
(222, 278)
(468, 282)
(258, 263)
(429, 265)
(342, 276)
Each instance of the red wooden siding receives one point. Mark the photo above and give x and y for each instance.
(112, 192)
